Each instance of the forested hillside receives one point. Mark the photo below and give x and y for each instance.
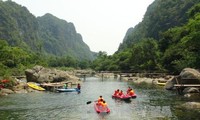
(167, 40)
(46, 34)
(26, 41)
(159, 17)
(60, 38)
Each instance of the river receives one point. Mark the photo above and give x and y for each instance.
(150, 104)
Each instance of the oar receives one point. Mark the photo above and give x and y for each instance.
(90, 102)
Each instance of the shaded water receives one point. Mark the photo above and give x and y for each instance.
(150, 104)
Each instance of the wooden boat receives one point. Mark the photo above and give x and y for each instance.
(101, 109)
(35, 86)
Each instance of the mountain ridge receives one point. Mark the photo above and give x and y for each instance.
(46, 34)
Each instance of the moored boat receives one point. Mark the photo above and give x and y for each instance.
(35, 86)
(161, 83)
(68, 90)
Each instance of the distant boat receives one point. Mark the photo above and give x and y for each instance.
(35, 86)
(68, 90)
(161, 83)
(122, 97)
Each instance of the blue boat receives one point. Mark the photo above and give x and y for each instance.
(68, 90)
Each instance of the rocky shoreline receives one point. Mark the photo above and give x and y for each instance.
(39, 74)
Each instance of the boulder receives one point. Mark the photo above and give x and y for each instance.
(191, 90)
(187, 76)
(191, 105)
(190, 76)
(40, 74)
(6, 91)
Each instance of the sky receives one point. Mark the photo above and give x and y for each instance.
(102, 23)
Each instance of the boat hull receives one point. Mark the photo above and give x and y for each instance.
(122, 97)
(68, 90)
(35, 86)
(133, 96)
(100, 109)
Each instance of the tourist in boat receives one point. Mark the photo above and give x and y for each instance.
(128, 90)
(121, 93)
(100, 97)
(104, 105)
(116, 92)
(100, 100)
(131, 93)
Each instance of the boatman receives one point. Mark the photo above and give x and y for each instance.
(79, 86)
(65, 86)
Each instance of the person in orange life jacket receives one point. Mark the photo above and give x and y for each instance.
(100, 99)
(121, 93)
(116, 92)
(129, 89)
(131, 92)
(104, 104)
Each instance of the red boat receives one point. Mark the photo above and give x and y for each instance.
(122, 97)
(101, 109)
(133, 96)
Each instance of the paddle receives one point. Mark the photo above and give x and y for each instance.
(88, 102)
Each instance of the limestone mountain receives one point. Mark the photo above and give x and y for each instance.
(46, 34)
(60, 38)
(159, 17)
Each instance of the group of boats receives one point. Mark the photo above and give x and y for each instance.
(98, 108)
(124, 96)
(37, 86)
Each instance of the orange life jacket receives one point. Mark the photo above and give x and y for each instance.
(104, 104)
(131, 92)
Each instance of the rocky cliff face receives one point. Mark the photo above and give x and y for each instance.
(47, 34)
(60, 38)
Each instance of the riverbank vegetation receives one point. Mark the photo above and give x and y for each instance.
(174, 49)
(170, 46)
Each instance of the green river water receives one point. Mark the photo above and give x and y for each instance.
(151, 104)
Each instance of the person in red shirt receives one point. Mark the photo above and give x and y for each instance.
(129, 89)
(121, 93)
(78, 86)
(116, 92)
